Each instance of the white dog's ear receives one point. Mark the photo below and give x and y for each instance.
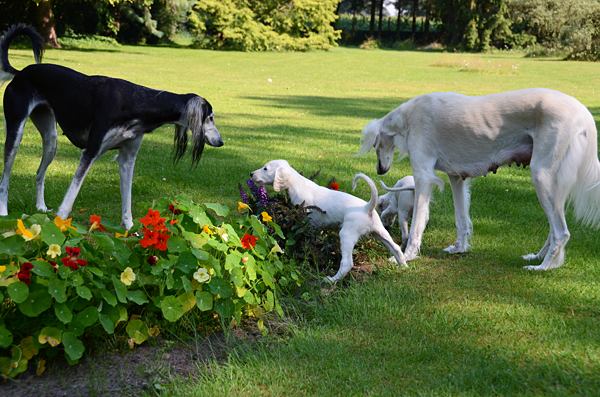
(282, 179)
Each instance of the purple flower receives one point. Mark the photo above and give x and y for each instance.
(253, 189)
(243, 194)
(264, 199)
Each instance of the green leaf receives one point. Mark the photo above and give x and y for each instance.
(249, 298)
(218, 286)
(106, 323)
(233, 260)
(237, 277)
(137, 296)
(188, 301)
(172, 308)
(176, 244)
(18, 291)
(220, 210)
(187, 285)
(36, 303)
(258, 227)
(42, 268)
(76, 280)
(218, 245)
(233, 237)
(95, 270)
(51, 234)
(196, 240)
(104, 241)
(73, 346)
(58, 289)
(137, 330)
(200, 254)
(120, 289)
(6, 337)
(108, 297)
(63, 313)
(84, 292)
(12, 245)
(187, 262)
(87, 316)
(225, 308)
(199, 216)
(50, 335)
(268, 280)
(76, 327)
(250, 268)
(204, 300)
(270, 303)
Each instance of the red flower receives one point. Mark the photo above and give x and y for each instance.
(248, 241)
(72, 261)
(150, 238)
(54, 265)
(152, 260)
(334, 186)
(25, 274)
(161, 243)
(95, 219)
(174, 210)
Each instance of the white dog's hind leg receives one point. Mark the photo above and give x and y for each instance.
(464, 227)
(43, 119)
(382, 235)
(540, 255)
(348, 239)
(126, 159)
(552, 191)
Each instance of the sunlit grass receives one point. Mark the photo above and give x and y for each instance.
(471, 324)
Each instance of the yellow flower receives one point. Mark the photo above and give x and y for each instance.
(2, 268)
(36, 229)
(201, 275)
(63, 224)
(206, 229)
(276, 249)
(127, 277)
(117, 235)
(221, 231)
(242, 206)
(21, 231)
(266, 217)
(53, 250)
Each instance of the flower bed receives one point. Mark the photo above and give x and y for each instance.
(62, 286)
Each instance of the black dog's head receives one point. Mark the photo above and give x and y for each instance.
(199, 118)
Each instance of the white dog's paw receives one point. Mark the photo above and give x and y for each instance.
(392, 259)
(41, 208)
(530, 257)
(330, 280)
(534, 267)
(455, 249)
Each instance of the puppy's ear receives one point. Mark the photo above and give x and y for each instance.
(282, 179)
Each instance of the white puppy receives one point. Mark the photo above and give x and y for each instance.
(467, 137)
(355, 216)
(398, 202)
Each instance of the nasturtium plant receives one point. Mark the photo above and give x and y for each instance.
(62, 285)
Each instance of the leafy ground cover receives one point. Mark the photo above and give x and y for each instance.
(472, 324)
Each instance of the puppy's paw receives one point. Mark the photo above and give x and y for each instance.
(330, 280)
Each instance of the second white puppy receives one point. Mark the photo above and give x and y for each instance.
(356, 217)
(398, 202)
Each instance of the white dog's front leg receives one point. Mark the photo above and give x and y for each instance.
(464, 227)
(126, 160)
(423, 189)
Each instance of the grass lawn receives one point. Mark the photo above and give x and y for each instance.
(471, 324)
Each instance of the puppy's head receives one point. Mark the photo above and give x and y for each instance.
(382, 203)
(276, 173)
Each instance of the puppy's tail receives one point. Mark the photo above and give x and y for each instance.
(374, 194)
(8, 72)
(397, 189)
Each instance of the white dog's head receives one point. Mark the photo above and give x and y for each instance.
(276, 173)
(385, 136)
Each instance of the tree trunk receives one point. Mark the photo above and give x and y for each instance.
(46, 23)
(414, 22)
(427, 19)
(372, 25)
(380, 18)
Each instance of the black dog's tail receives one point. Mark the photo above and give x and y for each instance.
(8, 72)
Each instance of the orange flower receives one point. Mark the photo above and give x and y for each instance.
(150, 238)
(152, 219)
(206, 229)
(95, 219)
(62, 224)
(248, 241)
(161, 243)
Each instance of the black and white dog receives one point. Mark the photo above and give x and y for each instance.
(97, 114)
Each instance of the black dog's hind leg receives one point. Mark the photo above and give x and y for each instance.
(126, 159)
(43, 118)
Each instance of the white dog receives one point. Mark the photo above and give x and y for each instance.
(398, 202)
(466, 137)
(355, 216)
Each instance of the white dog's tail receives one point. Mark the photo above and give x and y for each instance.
(397, 189)
(585, 195)
(374, 194)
